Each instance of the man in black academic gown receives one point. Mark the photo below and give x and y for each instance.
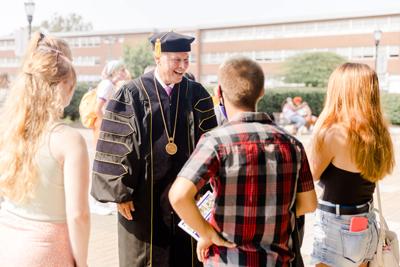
(148, 132)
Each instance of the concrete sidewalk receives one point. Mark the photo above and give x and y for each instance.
(103, 248)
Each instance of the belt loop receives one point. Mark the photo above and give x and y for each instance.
(337, 209)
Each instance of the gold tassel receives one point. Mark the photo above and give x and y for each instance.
(157, 48)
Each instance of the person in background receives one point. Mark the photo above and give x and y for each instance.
(113, 72)
(219, 108)
(120, 83)
(303, 109)
(44, 164)
(259, 174)
(150, 128)
(351, 150)
(289, 111)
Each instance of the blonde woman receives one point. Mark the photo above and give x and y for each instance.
(351, 150)
(113, 73)
(43, 165)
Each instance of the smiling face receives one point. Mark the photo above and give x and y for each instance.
(119, 75)
(172, 65)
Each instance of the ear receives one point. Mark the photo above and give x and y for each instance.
(156, 59)
(262, 93)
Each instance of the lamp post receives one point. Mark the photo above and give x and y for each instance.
(29, 10)
(377, 37)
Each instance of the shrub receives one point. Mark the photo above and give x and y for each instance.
(137, 58)
(72, 111)
(391, 107)
(312, 69)
(274, 98)
(271, 102)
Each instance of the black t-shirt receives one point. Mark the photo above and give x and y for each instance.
(344, 187)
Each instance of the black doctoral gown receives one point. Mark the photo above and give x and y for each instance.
(131, 164)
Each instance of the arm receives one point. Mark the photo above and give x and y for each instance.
(307, 109)
(76, 182)
(306, 202)
(116, 166)
(320, 158)
(100, 102)
(103, 92)
(306, 198)
(201, 166)
(181, 196)
(203, 109)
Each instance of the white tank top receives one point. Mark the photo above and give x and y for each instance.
(48, 202)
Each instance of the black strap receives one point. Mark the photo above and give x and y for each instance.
(297, 237)
(344, 210)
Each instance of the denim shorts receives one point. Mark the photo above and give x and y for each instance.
(335, 245)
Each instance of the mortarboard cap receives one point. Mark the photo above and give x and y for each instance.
(170, 42)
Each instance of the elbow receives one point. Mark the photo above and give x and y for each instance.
(307, 205)
(82, 217)
(315, 178)
(305, 209)
(182, 191)
(313, 206)
(175, 198)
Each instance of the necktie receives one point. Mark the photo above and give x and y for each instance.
(168, 90)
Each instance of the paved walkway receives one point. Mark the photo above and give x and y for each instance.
(103, 248)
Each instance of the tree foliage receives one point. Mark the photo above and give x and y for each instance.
(137, 58)
(71, 22)
(312, 69)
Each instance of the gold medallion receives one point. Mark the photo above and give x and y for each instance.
(171, 148)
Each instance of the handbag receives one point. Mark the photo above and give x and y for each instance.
(387, 253)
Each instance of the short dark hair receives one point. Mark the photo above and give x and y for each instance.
(242, 81)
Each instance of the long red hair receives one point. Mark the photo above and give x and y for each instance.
(353, 101)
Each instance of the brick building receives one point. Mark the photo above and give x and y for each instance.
(268, 42)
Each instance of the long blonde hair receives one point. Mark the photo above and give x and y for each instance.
(353, 102)
(34, 104)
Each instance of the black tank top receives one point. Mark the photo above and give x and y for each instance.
(344, 187)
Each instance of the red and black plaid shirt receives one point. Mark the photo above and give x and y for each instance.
(253, 167)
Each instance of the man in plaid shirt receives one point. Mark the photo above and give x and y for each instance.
(255, 169)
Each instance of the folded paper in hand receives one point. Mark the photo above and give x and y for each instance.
(205, 205)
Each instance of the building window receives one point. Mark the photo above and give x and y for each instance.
(393, 51)
(89, 78)
(322, 28)
(85, 61)
(9, 62)
(7, 44)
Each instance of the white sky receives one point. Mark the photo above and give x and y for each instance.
(131, 14)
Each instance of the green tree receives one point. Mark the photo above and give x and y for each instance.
(312, 69)
(71, 22)
(137, 58)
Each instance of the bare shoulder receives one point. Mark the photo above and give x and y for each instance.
(336, 135)
(67, 137)
(68, 132)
